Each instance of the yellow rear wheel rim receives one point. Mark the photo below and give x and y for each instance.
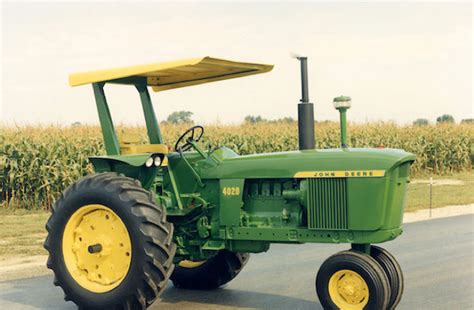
(96, 248)
(348, 290)
(190, 264)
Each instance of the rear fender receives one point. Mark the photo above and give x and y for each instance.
(132, 166)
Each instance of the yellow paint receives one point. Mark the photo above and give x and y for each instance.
(348, 290)
(175, 74)
(129, 138)
(130, 144)
(102, 271)
(190, 263)
(143, 148)
(341, 174)
(231, 191)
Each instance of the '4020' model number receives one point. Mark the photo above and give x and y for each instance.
(231, 191)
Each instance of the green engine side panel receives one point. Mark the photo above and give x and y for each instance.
(230, 201)
(366, 203)
(256, 200)
(396, 194)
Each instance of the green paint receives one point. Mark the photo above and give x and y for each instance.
(132, 166)
(342, 104)
(195, 174)
(286, 164)
(111, 143)
(220, 200)
(135, 160)
(342, 99)
(230, 201)
(343, 122)
(153, 129)
(174, 188)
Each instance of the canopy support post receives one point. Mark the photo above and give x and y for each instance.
(111, 143)
(154, 133)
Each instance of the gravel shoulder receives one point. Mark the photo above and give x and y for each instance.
(24, 267)
(448, 211)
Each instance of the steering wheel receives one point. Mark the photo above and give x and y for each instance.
(193, 134)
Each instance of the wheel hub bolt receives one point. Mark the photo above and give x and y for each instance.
(96, 248)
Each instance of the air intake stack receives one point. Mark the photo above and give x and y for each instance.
(305, 111)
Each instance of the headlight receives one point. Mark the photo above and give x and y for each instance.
(149, 162)
(157, 161)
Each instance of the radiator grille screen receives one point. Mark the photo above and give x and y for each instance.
(327, 203)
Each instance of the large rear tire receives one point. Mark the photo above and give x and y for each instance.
(209, 274)
(109, 243)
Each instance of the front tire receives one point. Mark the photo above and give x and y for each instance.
(393, 271)
(352, 280)
(109, 243)
(209, 274)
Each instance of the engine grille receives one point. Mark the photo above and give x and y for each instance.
(327, 203)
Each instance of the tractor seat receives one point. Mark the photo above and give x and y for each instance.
(130, 144)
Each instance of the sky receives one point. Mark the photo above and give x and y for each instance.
(397, 60)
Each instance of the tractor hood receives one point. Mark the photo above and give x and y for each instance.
(299, 164)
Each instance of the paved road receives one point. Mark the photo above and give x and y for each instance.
(436, 256)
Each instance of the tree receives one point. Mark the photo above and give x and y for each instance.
(286, 120)
(421, 122)
(445, 118)
(180, 117)
(467, 121)
(253, 119)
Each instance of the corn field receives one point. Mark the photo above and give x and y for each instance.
(37, 163)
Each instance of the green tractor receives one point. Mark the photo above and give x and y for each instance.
(194, 215)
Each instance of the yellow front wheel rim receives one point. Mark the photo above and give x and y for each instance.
(96, 248)
(348, 290)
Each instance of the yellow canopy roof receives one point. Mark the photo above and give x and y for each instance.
(175, 74)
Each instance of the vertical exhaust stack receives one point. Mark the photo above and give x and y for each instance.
(305, 111)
